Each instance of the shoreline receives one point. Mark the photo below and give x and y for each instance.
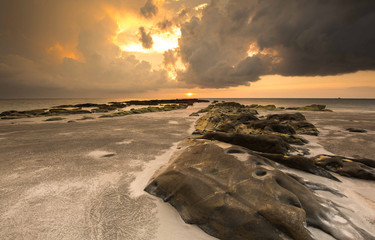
(135, 145)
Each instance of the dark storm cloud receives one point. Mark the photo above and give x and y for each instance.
(290, 38)
(149, 9)
(145, 38)
(169, 57)
(165, 25)
(65, 48)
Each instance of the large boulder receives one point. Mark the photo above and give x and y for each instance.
(259, 143)
(224, 119)
(248, 199)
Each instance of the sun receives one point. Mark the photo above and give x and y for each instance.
(189, 94)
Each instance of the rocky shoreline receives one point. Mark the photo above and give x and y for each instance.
(230, 177)
(115, 108)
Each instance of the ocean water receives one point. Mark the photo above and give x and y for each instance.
(331, 103)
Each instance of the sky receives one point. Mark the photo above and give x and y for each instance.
(168, 48)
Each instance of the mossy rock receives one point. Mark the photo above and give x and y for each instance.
(54, 119)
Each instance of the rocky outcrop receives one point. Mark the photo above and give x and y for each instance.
(224, 117)
(300, 163)
(260, 143)
(248, 199)
(349, 167)
(231, 181)
(263, 107)
(313, 107)
(61, 111)
(188, 101)
(296, 121)
(272, 137)
(167, 105)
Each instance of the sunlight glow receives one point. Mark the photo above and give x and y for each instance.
(201, 6)
(189, 94)
(162, 43)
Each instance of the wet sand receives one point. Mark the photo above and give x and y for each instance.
(64, 180)
(83, 180)
(335, 138)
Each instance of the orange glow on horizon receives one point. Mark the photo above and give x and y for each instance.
(189, 94)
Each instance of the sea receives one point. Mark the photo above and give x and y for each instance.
(335, 104)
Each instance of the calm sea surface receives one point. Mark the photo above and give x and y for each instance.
(334, 104)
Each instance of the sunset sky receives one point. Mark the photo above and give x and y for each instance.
(167, 48)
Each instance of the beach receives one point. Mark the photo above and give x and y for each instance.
(64, 180)
(85, 179)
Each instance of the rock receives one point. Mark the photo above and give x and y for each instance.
(242, 117)
(313, 186)
(271, 126)
(118, 104)
(62, 111)
(22, 114)
(54, 119)
(300, 163)
(345, 167)
(206, 109)
(86, 105)
(100, 110)
(294, 139)
(10, 117)
(245, 200)
(358, 130)
(171, 107)
(259, 143)
(225, 118)
(287, 117)
(313, 107)
(86, 118)
(194, 114)
(366, 161)
(262, 107)
(145, 110)
(304, 127)
(189, 101)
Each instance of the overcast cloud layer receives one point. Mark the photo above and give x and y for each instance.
(289, 37)
(65, 48)
(57, 48)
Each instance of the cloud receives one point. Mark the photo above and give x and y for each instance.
(237, 42)
(169, 57)
(54, 49)
(145, 38)
(165, 25)
(149, 9)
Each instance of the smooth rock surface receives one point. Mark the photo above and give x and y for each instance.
(251, 199)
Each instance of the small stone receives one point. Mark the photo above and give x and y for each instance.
(358, 130)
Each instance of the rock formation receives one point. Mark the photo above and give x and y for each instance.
(249, 199)
(230, 181)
